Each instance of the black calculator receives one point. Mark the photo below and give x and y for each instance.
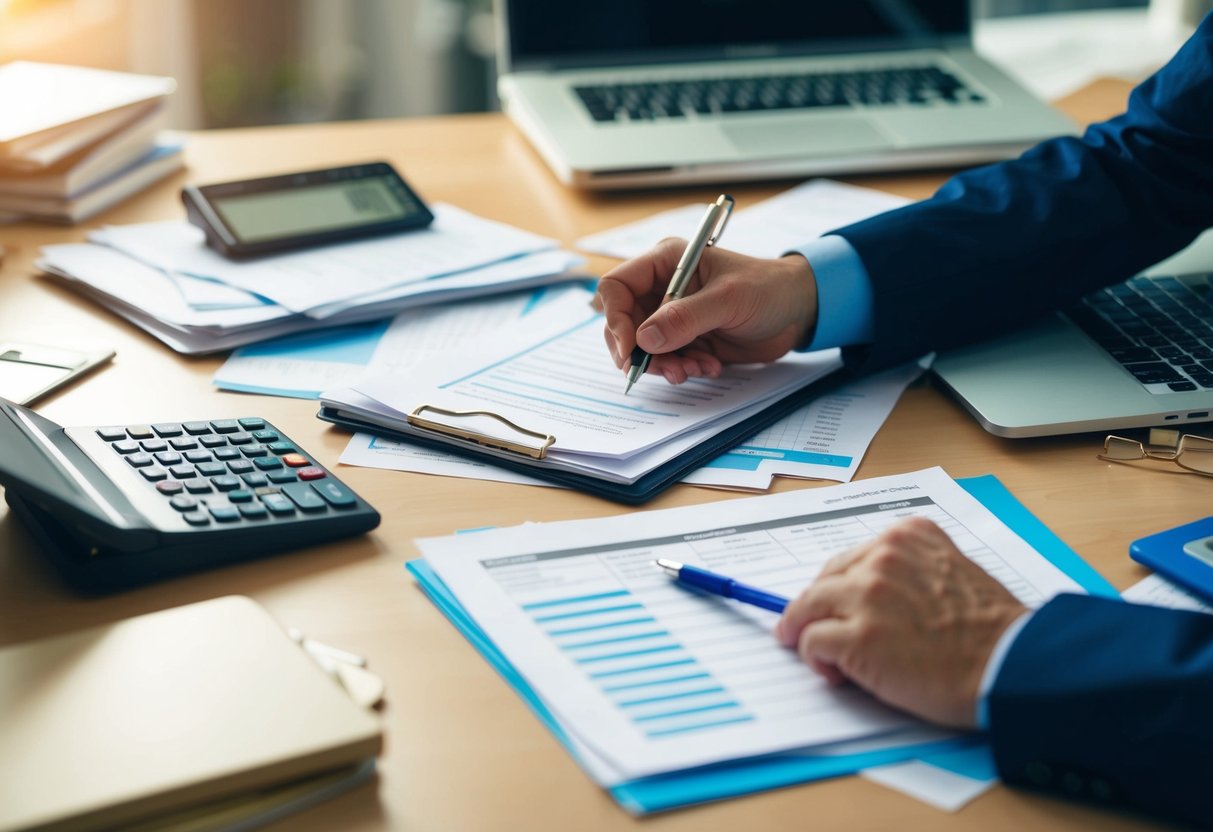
(122, 505)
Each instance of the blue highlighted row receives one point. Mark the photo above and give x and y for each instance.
(719, 706)
(603, 642)
(684, 729)
(669, 697)
(576, 600)
(582, 613)
(648, 651)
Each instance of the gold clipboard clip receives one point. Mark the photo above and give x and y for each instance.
(535, 452)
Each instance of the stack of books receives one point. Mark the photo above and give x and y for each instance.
(75, 141)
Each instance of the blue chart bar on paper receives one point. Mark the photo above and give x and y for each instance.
(640, 666)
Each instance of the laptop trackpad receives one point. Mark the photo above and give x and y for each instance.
(806, 137)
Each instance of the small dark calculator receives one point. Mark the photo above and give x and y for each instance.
(121, 505)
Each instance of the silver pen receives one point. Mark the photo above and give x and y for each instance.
(709, 231)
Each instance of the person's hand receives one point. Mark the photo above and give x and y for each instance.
(736, 310)
(908, 618)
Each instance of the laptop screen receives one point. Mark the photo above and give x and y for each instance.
(560, 33)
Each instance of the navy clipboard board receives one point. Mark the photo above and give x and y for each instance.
(645, 488)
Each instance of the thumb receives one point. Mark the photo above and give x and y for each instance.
(681, 321)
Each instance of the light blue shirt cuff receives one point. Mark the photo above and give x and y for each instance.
(993, 665)
(844, 293)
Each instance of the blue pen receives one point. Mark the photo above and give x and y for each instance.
(720, 585)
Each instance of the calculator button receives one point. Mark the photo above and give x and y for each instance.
(183, 503)
(227, 453)
(153, 474)
(184, 443)
(282, 476)
(198, 456)
(139, 460)
(225, 426)
(164, 431)
(253, 511)
(240, 495)
(198, 486)
(304, 496)
(127, 446)
(252, 423)
(196, 518)
(240, 438)
(168, 458)
(212, 469)
(139, 432)
(281, 448)
(169, 487)
(212, 441)
(277, 504)
(296, 460)
(254, 480)
(183, 472)
(338, 495)
(264, 435)
(225, 483)
(196, 428)
(225, 514)
(154, 445)
(240, 466)
(253, 450)
(111, 434)
(311, 473)
(268, 463)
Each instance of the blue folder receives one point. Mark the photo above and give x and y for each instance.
(738, 777)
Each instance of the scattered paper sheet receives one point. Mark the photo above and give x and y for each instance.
(766, 229)
(322, 281)
(305, 365)
(825, 440)
(1159, 592)
(654, 678)
(932, 785)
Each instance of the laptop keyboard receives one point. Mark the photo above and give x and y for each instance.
(892, 86)
(1160, 329)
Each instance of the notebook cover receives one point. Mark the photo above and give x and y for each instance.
(164, 711)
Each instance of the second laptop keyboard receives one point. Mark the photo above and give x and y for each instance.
(1159, 328)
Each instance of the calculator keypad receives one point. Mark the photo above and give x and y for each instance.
(228, 471)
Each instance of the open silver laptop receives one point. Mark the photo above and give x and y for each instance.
(1137, 354)
(646, 92)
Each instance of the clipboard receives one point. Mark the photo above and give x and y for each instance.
(527, 453)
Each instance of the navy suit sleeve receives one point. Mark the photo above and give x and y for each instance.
(1110, 702)
(1001, 245)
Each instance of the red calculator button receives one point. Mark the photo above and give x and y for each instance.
(311, 473)
(296, 460)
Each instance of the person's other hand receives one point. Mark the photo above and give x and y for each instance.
(908, 618)
(736, 309)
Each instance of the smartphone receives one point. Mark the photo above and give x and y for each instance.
(30, 371)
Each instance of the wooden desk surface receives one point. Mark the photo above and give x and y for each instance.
(463, 753)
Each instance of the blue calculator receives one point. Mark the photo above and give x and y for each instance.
(1183, 554)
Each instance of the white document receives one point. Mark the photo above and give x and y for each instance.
(1159, 592)
(826, 439)
(369, 451)
(305, 365)
(655, 678)
(567, 386)
(934, 786)
(766, 229)
(320, 281)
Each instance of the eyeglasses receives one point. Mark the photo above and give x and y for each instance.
(1190, 452)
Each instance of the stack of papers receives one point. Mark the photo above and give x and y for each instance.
(561, 384)
(161, 277)
(666, 696)
(75, 140)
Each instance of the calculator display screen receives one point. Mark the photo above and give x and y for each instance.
(316, 209)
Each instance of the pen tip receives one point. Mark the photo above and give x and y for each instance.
(628, 385)
(670, 567)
